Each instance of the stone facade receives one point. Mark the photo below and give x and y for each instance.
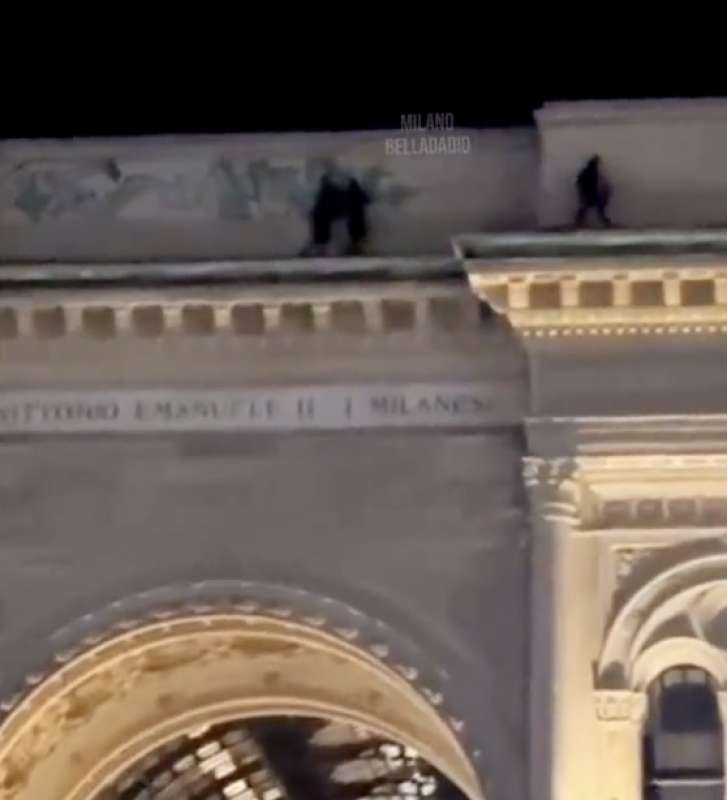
(418, 533)
(475, 503)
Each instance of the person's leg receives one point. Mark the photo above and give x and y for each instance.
(601, 207)
(320, 224)
(582, 213)
(357, 228)
(321, 227)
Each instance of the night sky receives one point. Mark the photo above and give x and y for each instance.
(139, 109)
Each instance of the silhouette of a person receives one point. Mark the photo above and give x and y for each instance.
(339, 197)
(594, 192)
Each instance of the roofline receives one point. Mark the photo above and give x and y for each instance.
(520, 246)
(578, 244)
(618, 111)
(59, 275)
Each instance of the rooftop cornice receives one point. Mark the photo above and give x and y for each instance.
(602, 283)
(620, 111)
(242, 310)
(668, 437)
(578, 244)
(547, 283)
(45, 275)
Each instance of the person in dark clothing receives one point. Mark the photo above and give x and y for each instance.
(593, 193)
(339, 199)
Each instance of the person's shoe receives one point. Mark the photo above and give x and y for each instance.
(355, 249)
(312, 250)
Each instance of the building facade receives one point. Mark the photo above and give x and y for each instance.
(448, 521)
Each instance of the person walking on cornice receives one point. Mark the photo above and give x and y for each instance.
(594, 192)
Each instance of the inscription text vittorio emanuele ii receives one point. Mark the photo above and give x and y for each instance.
(325, 408)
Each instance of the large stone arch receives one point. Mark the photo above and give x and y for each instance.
(648, 633)
(110, 704)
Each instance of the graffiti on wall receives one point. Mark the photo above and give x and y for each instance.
(221, 188)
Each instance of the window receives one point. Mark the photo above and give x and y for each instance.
(280, 758)
(683, 757)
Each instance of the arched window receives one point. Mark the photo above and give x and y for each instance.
(683, 755)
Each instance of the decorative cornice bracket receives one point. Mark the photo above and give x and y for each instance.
(596, 296)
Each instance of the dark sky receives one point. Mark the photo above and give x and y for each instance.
(238, 108)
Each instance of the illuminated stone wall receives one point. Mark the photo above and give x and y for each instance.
(666, 161)
(249, 196)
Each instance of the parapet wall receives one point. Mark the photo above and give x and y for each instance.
(249, 196)
(665, 159)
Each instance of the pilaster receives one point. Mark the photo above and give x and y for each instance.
(722, 703)
(621, 716)
(628, 534)
(564, 572)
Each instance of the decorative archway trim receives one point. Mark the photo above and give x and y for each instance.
(674, 652)
(109, 706)
(626, 637)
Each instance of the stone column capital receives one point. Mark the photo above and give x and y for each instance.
(615, 706)
(554, 490)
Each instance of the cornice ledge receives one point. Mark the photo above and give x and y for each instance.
(47, 275)
(241, 310)
(701, 439)
(607, 295)
(615, 474)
